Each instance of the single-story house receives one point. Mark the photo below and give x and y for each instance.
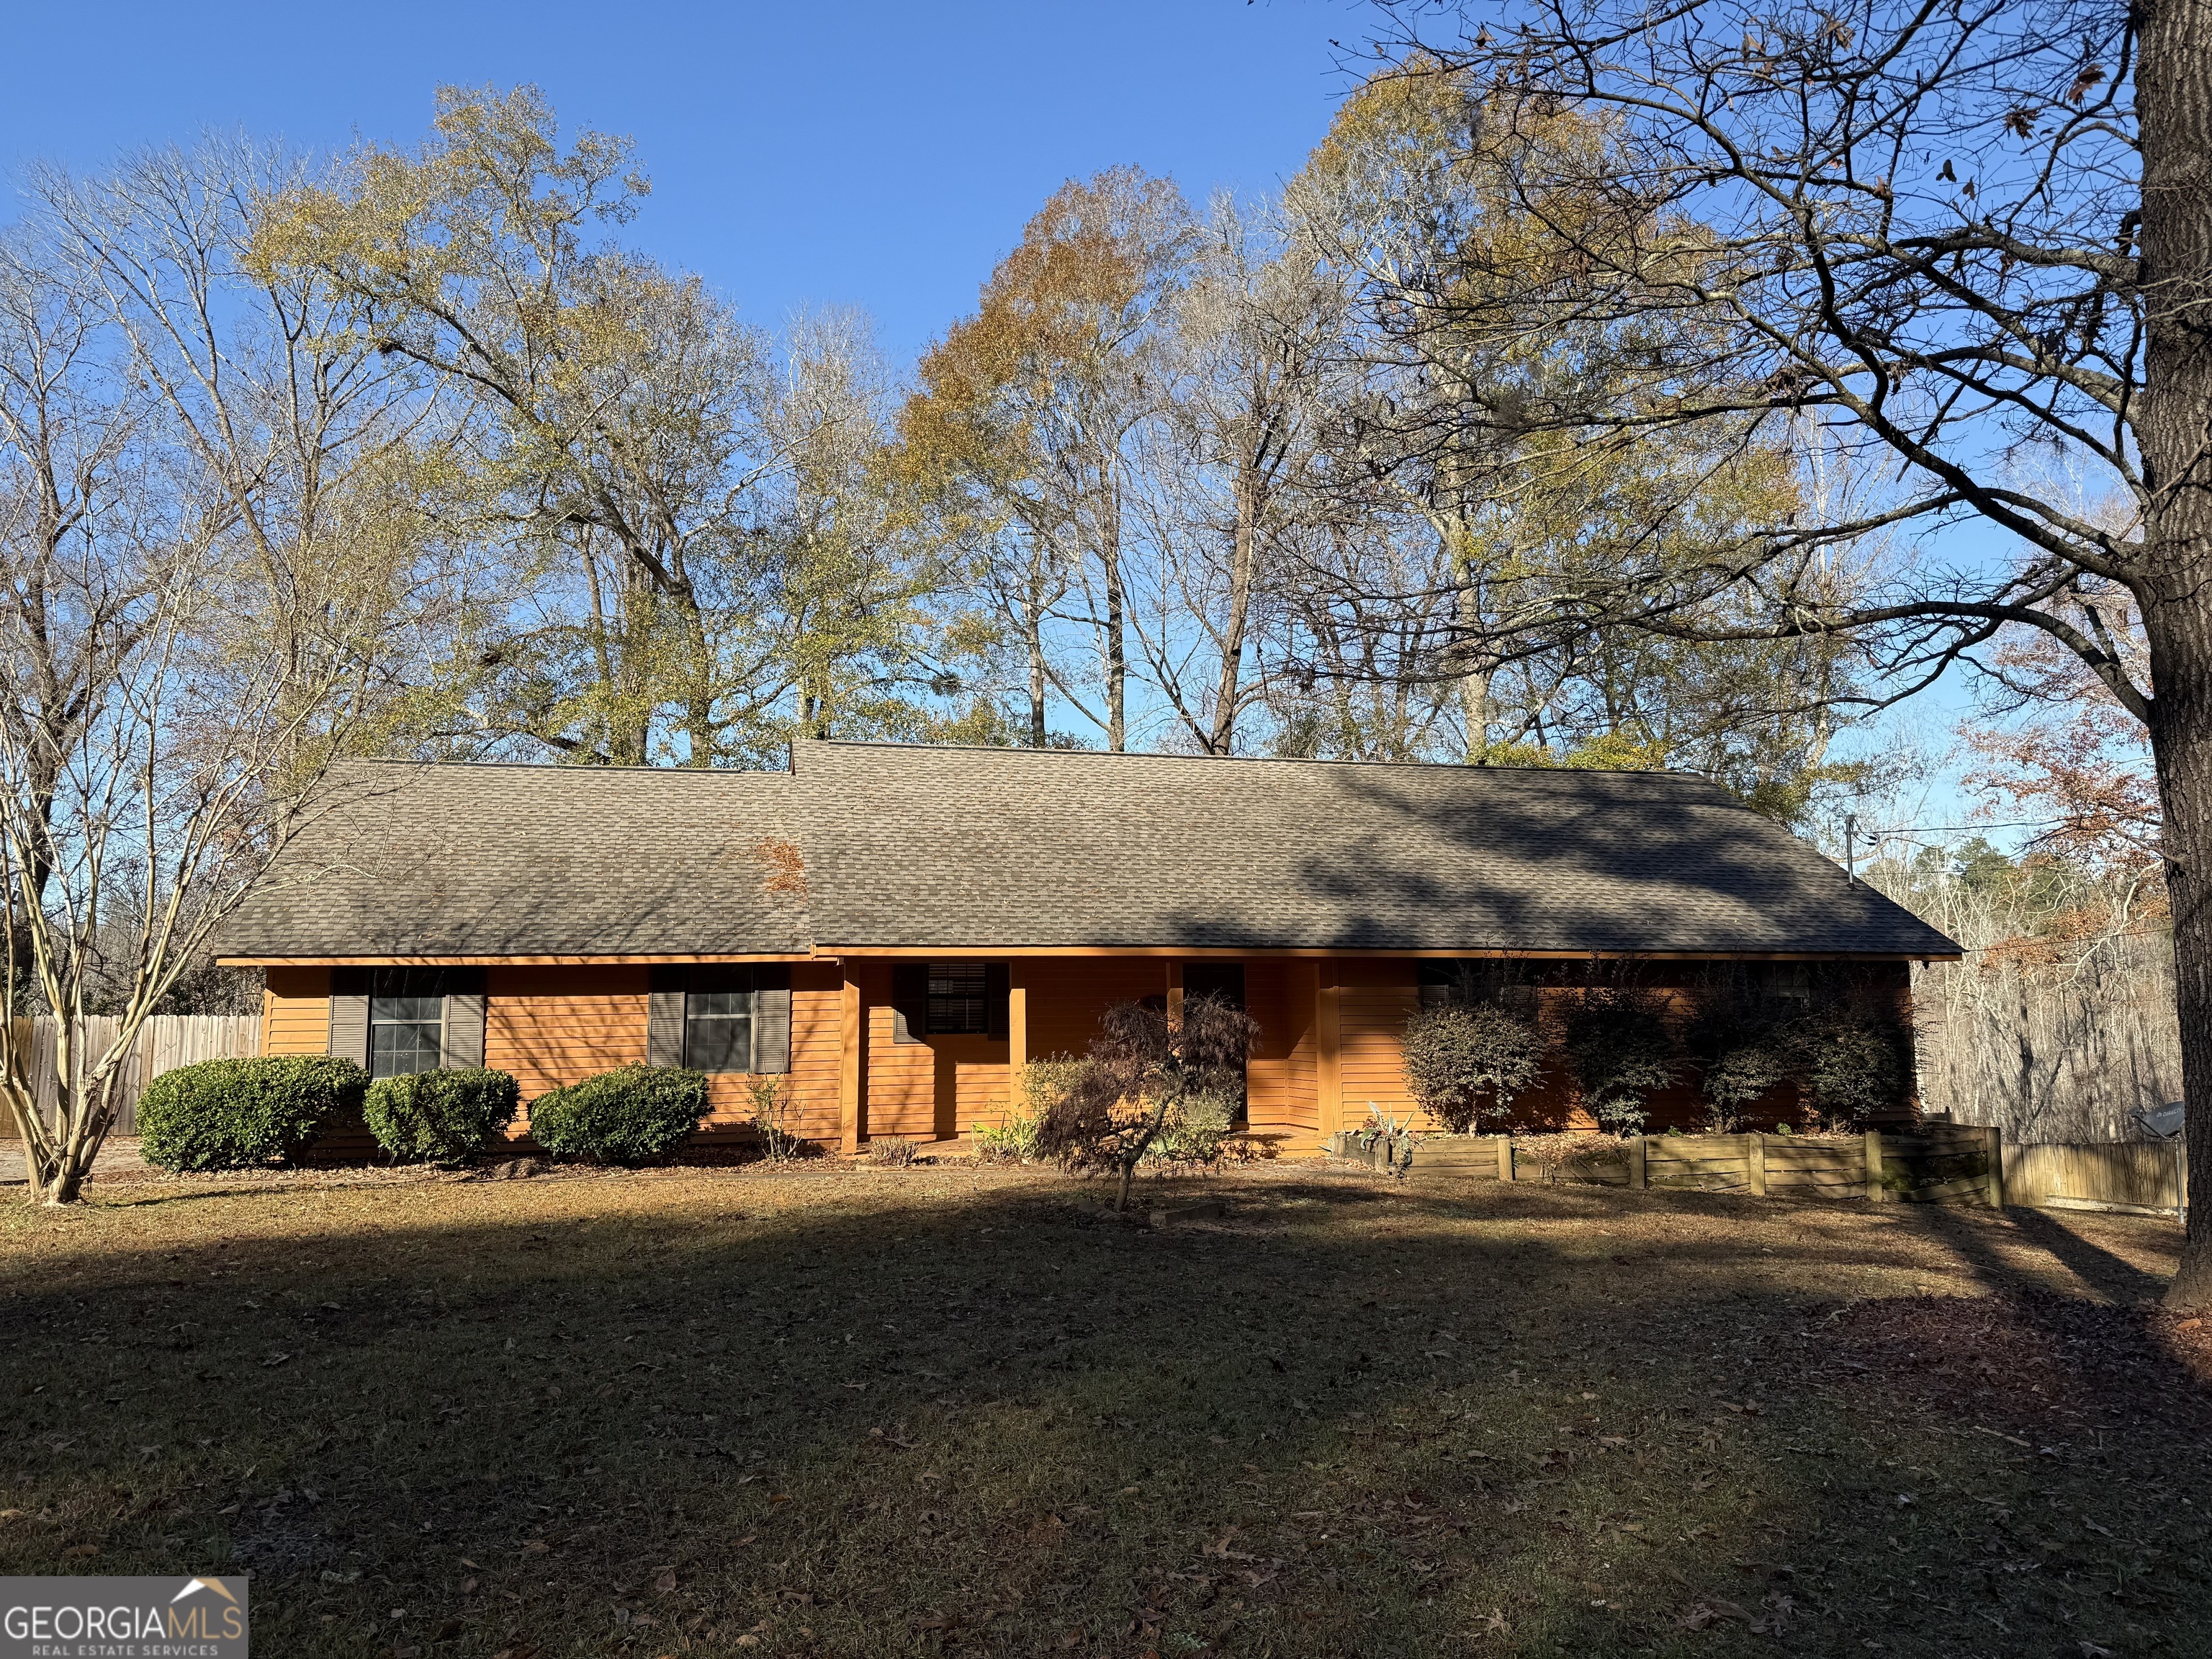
(898, 929)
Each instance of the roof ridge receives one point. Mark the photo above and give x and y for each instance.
(552, 766)
(1029, 750)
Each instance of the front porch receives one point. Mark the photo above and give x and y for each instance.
(1330, 1030)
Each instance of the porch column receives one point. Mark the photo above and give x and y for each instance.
(1017, 1020)
(853, 1036)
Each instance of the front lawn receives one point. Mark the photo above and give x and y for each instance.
(833, 1412)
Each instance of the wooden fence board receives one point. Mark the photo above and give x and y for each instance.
(165, 1042)
(2140, 1175)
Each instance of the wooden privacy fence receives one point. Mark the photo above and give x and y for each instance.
(2144, 1176)
(1938, 1164)
(165, 1042)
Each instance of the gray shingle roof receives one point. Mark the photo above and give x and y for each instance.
(529, 860)
(973, 849)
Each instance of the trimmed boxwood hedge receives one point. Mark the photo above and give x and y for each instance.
(629, 1116)
(235, 1114)
(439, 1117)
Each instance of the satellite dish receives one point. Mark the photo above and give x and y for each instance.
(2163, 1121)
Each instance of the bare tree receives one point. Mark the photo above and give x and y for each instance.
(71, 472)
(1218, 468)
(185, 763)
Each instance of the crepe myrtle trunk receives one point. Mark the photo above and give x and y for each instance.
(2173, 430)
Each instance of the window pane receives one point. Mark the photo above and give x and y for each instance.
(719, 1005)
(719, 1045)
(957, 1002)
(402, 1009)
(397, 1050)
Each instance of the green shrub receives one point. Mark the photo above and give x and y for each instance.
(235, 1114)
(439, 1117)
(1464, 1061)
(1745, 1040)
(1044, 1085)
(1856, 1062)
(1194, 1128)
(1620, 1052)
(629, 1116)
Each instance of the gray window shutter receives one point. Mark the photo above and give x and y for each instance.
(772, 1016)
(998, 988)
(909, 1001)
(349, 1028)
(462, 1045)
(664, 1018)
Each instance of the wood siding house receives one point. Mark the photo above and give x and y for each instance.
(899, 929)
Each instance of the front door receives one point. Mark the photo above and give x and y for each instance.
(1225, 980)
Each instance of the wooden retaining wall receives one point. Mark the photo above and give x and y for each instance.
(1941, 1164)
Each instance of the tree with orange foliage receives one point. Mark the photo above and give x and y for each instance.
(1026, 408)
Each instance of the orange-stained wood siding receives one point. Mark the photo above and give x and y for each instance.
(295, 1012)
(934, 1089)
(901, 1080)
(551, 1026)
(1279, 1081)
(1066, 995)
(972, 1081)
(1373, 1005)
(812, 1081)
(817, 990)
(554, 1026)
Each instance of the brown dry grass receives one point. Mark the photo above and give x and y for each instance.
(908, 1412)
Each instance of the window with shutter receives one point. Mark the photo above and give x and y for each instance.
(718, 1020)
(406, 1021)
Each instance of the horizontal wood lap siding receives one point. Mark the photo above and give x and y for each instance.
(1067, 994)
(1280, 1080)
(902, 1081)
(812, 1080)
(817, 992)
(973, 1077)
(295, 1011)
(555, 1026)
(1301, 1065)
(1376, 1000)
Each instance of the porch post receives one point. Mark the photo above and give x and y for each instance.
(853, 1034)
(1018, 1018)
(1175, 988)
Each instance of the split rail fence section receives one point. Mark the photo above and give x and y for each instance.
(1939, 1163)
(165, 1042)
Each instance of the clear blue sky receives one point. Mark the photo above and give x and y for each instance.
(870, 153)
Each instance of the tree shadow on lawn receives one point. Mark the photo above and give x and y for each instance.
(890, 1416)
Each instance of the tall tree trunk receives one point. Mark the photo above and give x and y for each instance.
(1034, 603)
(1478, 663)
(2173, 84)
(1243, 560)
(1117, 645)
